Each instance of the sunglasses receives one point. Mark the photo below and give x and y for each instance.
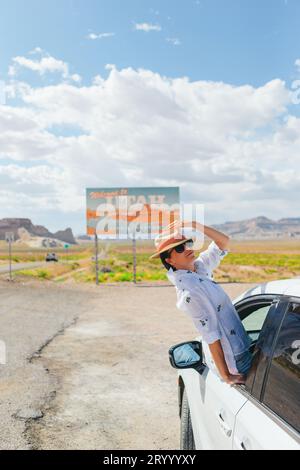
(180, 248)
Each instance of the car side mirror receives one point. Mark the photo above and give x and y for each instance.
(187, 356)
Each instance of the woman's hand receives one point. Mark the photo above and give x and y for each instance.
(219, 238)
(235, 379)
(178, 226)
(174, 229)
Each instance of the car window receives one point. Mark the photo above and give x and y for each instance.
(255, 320)
(273, 315)
(282, 390)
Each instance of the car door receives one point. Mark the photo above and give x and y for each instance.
(213, 411)
(214, 414)
(270, 419)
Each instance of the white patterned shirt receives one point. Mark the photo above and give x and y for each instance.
(210, 308)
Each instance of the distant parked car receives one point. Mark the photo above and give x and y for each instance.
(263, 414)
(51, 257)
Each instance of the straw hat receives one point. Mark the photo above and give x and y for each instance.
(168, 239)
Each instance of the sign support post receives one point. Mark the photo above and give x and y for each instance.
(134, 258)
(9, 250)
(66, 247)
(96, 259)
(9, 237)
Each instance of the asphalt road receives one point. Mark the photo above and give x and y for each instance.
(19, 266)
(87, 367)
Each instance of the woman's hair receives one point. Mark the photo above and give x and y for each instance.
(163, 257)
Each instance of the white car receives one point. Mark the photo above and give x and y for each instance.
(263, 414)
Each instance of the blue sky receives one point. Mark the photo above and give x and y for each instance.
(198, 96)
(236, 41)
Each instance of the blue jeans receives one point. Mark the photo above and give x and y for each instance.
(243, 362)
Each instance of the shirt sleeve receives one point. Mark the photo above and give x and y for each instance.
(202, 312)
(212, 256)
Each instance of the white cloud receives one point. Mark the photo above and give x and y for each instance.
(174, 41)
(232, 148)
(147, 27)
(46, 64)
(154, 12)
(76, 78)
(110, 67)
(98, 80)
(36, 50)
(94, 36)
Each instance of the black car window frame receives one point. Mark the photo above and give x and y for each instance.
(255, 383)
(253, 301)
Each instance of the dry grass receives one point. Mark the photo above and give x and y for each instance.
(248, 261)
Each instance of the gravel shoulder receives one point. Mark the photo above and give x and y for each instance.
(87, 367)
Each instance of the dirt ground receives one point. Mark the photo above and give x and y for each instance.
(87, 366)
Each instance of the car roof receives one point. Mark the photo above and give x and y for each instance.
(282, 287)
